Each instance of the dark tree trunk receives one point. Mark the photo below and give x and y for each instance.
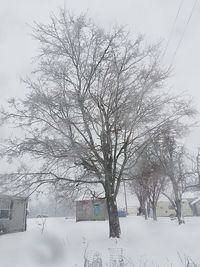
(179, 211)
(144, 210)
(145, 213)
(114, 226)
(154, 212)
(148, 208)
(140, 211)
(177, 201)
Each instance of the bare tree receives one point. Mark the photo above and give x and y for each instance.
(156, 185)
(193, 183)
(93, 98)
(149, 181)
(141, 193)
(171, 155)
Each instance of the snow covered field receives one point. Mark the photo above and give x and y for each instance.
(64, 243)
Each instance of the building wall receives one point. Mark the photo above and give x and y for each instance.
(91, 210)
(186, 209)
(17, 219)
(165, 209)
(196, 208)
(132, 210)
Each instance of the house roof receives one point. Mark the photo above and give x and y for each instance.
(195, 201)
(191, 194)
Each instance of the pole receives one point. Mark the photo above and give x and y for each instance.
(125, 197)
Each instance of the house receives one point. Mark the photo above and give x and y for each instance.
(91, 210)
(195, 205)
(132, 210)
(165, 209)
(13, 213)
(193, 198)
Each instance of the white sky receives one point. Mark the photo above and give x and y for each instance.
(153, 18)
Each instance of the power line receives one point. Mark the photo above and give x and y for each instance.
(184, 31)
(173, 26)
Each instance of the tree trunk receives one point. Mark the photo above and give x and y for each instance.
(145, 214)
(144, 210)
(114, 226)
(140, 211)
(177, 201)
(148, 208)
(179, 211)
(154, 212)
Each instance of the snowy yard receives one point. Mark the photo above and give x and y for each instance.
(64, 243)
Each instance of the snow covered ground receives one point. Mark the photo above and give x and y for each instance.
(61, 242)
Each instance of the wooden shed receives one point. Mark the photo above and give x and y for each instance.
(13, 214)
(91, 210)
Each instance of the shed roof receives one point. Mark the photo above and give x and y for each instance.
(13, 197)
(89, 199)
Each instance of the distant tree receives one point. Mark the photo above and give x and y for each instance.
(156, 185)
(149, 180)
(193, 184)
(141, 193)
(92, 99)
(172, 157)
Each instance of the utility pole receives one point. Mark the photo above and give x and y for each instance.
(198, 162)
(125, 197)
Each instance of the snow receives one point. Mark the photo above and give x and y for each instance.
(59, 242)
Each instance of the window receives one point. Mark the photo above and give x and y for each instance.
(5, 208)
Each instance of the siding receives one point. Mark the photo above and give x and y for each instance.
(91, 210)
(17, 220)
(165, 209)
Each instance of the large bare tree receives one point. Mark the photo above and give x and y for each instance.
(93, 97)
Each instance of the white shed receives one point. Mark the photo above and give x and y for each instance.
(13, 214)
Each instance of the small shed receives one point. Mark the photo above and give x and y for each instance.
(13, 214)
(91, 210)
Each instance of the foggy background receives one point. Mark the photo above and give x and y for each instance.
(155, 19)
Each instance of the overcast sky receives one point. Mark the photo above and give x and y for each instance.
(154, 18)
